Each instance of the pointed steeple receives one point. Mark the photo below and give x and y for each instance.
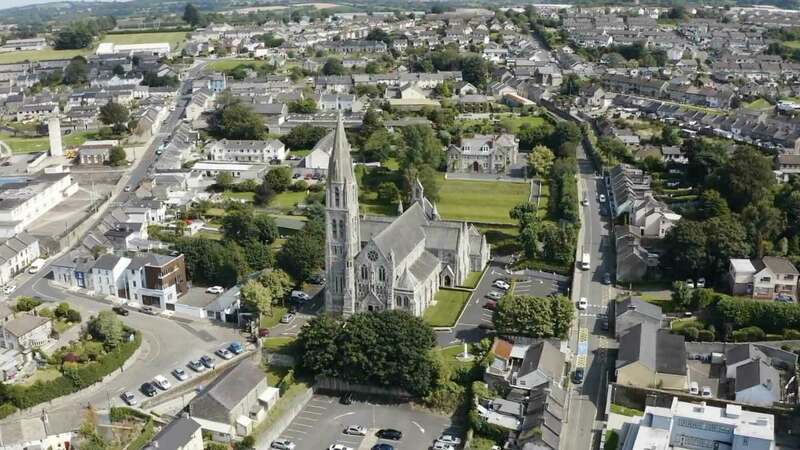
(340, 167)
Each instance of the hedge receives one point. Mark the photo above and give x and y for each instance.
(7, 409)
(73, 380)
(144, 437)
(119, 414)
(770, 316)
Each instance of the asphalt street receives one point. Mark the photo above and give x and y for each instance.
(321, 422)
(587, 341)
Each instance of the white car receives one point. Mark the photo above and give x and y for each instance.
(585, 202)
(9, 288)
(583, 303)
(494, 295)
(690, 283)
(501, 284)
(450, 439)
(282, 444)
(706, 392)
(161, 382)
(287, 318)
(301, 296)
(439, 445)
(215, 290)
(356, 430)
(224, 353)
(701, 283)
(180, 374)
(602, 198)
(339, 447)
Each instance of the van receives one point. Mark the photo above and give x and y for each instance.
(694, 388)
(585, 262)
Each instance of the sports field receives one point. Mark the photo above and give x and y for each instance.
(481, 201)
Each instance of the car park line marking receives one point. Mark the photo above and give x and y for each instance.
(302, 425)
(311, 412)
(421, 430)
(318, 407)
(344, 415)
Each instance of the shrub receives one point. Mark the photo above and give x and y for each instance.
(26, 304)
(73, 316)
(748, 334)
(300, 186)
(691, 333)
(791, 335)
(706, 336)
(286, 382)
(6, 409)
(46, 312)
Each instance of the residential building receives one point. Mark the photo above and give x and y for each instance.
(788, 166)
(25, 199)
(16, 254)
(96, 152)
(633, 311)
(375, 263)
(526, 366)
(183, 433)
(699, 426)
(319, 157)
(494, 154)
(238, 170)
(246, 151)
(652, 357)
(757, 383)
(156, 280)
(771, 277)
(108, 275)
(73, 270)
(25, 332)
(230, 406)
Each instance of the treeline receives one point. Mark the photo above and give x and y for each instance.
(521, 315)
(80, 34)
(474, 68)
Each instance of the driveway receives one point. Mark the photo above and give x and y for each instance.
(321, 422)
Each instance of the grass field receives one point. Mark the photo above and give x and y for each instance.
(512, 123)
(224, 65)
(449, 303)
(792, 44)
(174, 38)
(758, 103)
(268, 321)
(41, 144)
(275, 374)
(287, 200)
(472, 280)
(246, 196)
(480, 201)
(279, 344)
(41, 55)
(42, 375)
(450, 355)
(630, 412)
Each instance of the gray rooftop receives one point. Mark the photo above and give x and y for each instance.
(175, 435)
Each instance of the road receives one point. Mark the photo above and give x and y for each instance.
(587, 340)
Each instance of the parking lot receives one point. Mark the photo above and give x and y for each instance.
(321, 422)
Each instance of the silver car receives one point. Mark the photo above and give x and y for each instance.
(283, 444)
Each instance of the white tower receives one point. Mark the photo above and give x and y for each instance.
(54, 128)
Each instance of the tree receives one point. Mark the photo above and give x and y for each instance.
(475, 70)
(237, 121)
(107, 328)
(117, 156)
(746, 179)
(279, 178)
(116, 115)
(256, 297)
(304, 252)
(318, 345)
(427, 176)
(670, 135)
(25, 304)
(540, 160)
(378, 146)
(712, 205)
(75, 36)
(378, 34)
(240, 226)
(558, 242)
(278, 282)
(421, 147)
(209, 262)
(264, 194)
(388, 192)
(266, 227)
(563, 313)
(303, 137)
(333, 66)
(705, 157)
(522, 315)
(763, 222)
(681, 294)
(191, 15)
(685, 249)
(77, 71)
(118, 70)
(224, 180)
(303, 106)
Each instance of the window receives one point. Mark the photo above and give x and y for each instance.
(382, 273)
(336, 195)
(765, 279)
(364, 272)
(399, 301)
(333, 228)
(341, 229)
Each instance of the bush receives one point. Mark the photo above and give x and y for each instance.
(317, 187)
(6, 409)
(287, 381)
(706, 336)
(791, 335)
(748, 334)
(691, 333)
(26, 304)
(300, 186)
(73, 316)
(118, 414)
(612, 440)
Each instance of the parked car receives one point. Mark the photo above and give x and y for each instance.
(442, 446)
(300, 296)
(694, 388)
(207, 361)
(706, 392)
(224, 353)
(449, 439)
(128, 188)
(583, 303)
(701, 283)
(577, 376)
(601, 198)
(356, 430)
(180, 374)
(585, 202)
(283, 444)
(603, 321)
(197, 366)
(236, 348)
(148, 310)
(121, 310)
(490, 305)
(486, 326)
(606, 278)
(215, 290)
(263, 332)
(382, 446)
(148, 389)
(690, 283)
(501, 284)
(9, 288)
(339, 447)
(287, 318)
(161, 382)
(494, 295)
(389, 433)
(318, 278)
(296, 176)
(128, 398)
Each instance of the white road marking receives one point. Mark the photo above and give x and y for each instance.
(344, 415)
(315, 406)
(421, 430)
(311, 412)
(301, 425)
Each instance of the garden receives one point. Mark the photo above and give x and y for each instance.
(449, 303)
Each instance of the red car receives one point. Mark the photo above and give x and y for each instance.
(263, 332)
(491, 305)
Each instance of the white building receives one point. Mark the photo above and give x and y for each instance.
(246, 151)
(239, 171)
(25, 332)
(320, 156)
(108, 275)
(699, 426)
(154, 48)
(17, 253)
(25, 199)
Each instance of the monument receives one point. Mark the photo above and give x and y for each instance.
(54, 129)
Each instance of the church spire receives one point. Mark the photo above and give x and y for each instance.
(340, 166)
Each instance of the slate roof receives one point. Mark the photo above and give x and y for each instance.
(230, 388)
(404, 234)
(545, 357)
(757, 372)
(11, 247)
(175, 435)
(24, 324)
(778, 265)
(743, 352)
(106, 262)
(639, 306)
(657, 349)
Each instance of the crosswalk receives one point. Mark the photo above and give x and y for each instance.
(593, 311)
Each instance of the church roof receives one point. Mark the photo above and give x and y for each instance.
(340, 166)
(404, 234)
(407, 281)
(424, 265)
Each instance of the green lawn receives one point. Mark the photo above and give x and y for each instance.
(60, 326)
(275, 374)
(480, 201)
(173, 38)
(41, 55)
(543, 201)
(287, 200)
(449, 303)
(450, 355)
(205, 234)
(43, 375)
(619, 409)
(224, 65)
(481, 443)
(472, 280)
(42, 144)
(300, 153)
(512, 123)
(503, 239)
(246, 196)
(758, 103)
(792, 44)
(678, 325)
(280, 344)
(268, 321)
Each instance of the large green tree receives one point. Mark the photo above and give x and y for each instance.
(116, 115)
(77, 71)
(746, 179)
(106, 328)
(304, 252)
(191, 15)
(237, 121)
(520, 315)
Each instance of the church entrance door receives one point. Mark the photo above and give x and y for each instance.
(447, 281)
(476, 167)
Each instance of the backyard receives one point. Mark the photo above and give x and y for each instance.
(449, 303)
(481, 201)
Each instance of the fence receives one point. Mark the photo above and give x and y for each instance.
(338, 385)
(281, 422)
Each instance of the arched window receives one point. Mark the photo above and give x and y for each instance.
(382, 274)
(341, 229)
(364, 272)
(333, 228)
(336, 195)
(399, 301)
(406, 303)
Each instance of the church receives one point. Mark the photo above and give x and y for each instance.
(375, 263)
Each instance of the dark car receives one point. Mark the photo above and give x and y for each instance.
(207, 361)
(577, 376)
(389, 433)
(382, 446)
(346, 398)
(490, 305)
(120, 310)
(606, 278)
(486, 326)
(148, 389)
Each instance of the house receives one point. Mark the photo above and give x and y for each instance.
(96, 152)
(246, 151)
(673, 154)
(235, 402)
(652, 357)
(156, 280)
(73, 270)
(319, 157)
(183, 433)
(525, 366)
(633, 311)
(108, 275)
(494, 154)
(693, 425)
(25, 332)
(16, 254)
(27, 198)
(772, 277)
(339, 102)
(757, 383)
(788, 166)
